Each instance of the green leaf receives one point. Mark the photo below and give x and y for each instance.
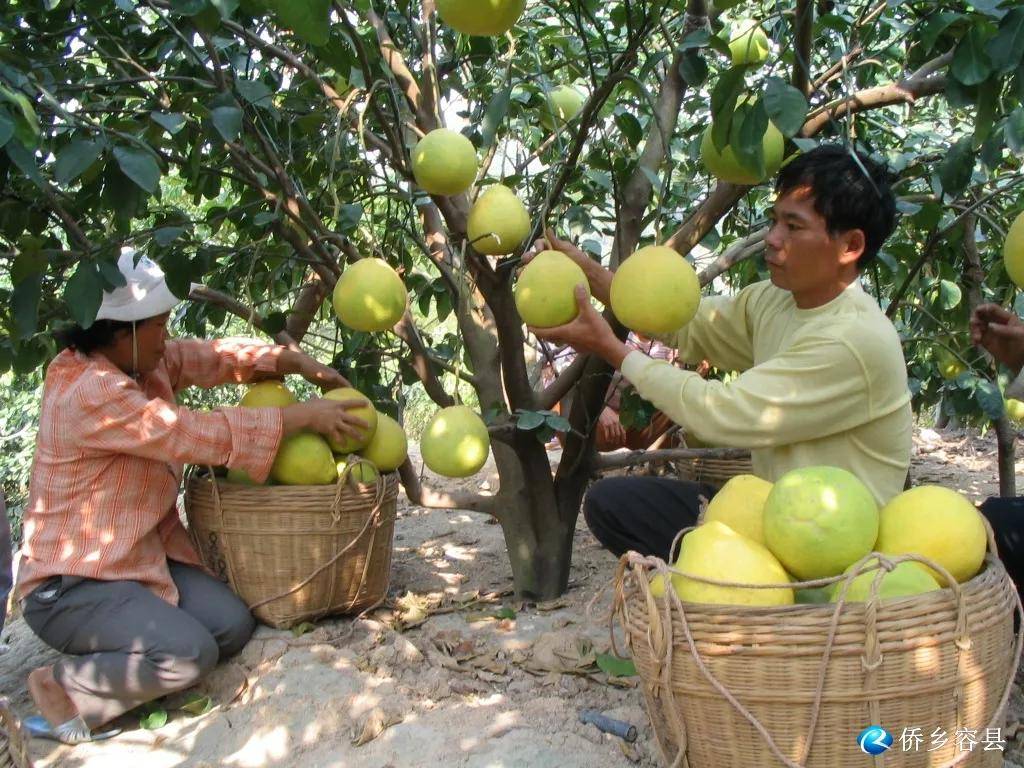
(139, 166)
(749, 127)
(698, 38)
(693, 69)
(309, 19)
(786, 106)
(971, 64)
(990, 399)
(349, 216)
(111, 275)
(950, 294)
(494, 116)
(256, 92)
(727, 90)
(934, 26)
(172, 122)
(25, 160)
(528, 420)
(558, 423)
(26, 122)
(6, 127)
(188, 7)
(504, 613)
(226, 8)
(1014, 131)
(613, 666)
(227, 121)
(301, 629)
(75, 159)
(154, 720)
(197, 705)
(956, 167)
(167, 235)
(83, 293)
(25, 305)
(1006, 49)
(633, 132)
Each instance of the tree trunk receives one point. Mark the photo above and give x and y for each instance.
(1006, 439)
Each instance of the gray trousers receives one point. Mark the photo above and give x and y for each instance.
(129, 646)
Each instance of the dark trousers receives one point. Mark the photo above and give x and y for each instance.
(642, 514)
(5, 561)
(1007, 519)
(129, 646)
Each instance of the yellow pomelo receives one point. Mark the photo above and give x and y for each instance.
(561, 105)
(444, 162)
(949, 364)
(304, 458)
(388, 447)
(819, 520)
(455, 442)
(1014, 409)
(906, 579)
(545, 292)
(498, 222)
(937, 523)
(740, 505)
(716, 551)
(241, 477)
(1013, 251)
(725, 166)
(655, 292)
(366, 412)
(370, 296)
(361, 472)
(267, 394)
(481, 17)
(748, 43)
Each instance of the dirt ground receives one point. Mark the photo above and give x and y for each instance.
(472, 679)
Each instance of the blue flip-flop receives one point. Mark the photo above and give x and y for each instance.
(72, 732)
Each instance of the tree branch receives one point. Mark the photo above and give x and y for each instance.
(803, 29)
(561, 386)
(406, 330)
(425, 496)
(721, 200)
(237, 308)
(304, 310)
(739, 251)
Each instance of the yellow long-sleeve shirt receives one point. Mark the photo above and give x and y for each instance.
(822, 386)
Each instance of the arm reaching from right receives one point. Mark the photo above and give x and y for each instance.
(1000, 332)
(599, 277)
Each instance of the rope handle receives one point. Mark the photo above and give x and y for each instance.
(636, 567)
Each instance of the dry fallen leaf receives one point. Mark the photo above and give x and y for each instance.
(373, 725)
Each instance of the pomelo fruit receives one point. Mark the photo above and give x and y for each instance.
(388, 447)
(812, 596)
(748, 43)
(455, 442)
(949, 364)
(361, 472)
(498, 222)
(366, 412)
(304, 458)
(726, 166)
(481, 17)
(444, 162)
(241, 477)
(740, 505)
(819, 520)
(1013, 251)
(1014, 409)
(906, 579)
(370, 296)
(561, 105)
(716, 551)
(937, 523)
(655, 292)
(545, 291)
(267, 394)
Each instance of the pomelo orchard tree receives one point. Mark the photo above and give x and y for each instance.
(265, 146)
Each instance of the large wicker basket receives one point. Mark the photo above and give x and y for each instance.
(296, 553)
(794, 686)
(13, 744)
(714, 471)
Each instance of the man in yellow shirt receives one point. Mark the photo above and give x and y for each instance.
(823, 380)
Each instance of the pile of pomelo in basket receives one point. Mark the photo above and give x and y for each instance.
(816, 523)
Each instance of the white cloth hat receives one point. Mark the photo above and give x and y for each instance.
(146, 293)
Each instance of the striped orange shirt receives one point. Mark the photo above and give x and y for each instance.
(110, 455)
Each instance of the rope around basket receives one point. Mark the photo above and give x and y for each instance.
(373, 519)
(660, 640)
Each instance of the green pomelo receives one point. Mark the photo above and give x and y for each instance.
(561, 105)
(655, 292)
(740, 505)
(370, 296)
(267, 394)
(304, 459)
(366, 412)
(388, 447)
(498, 222)
(481, 17)
(748, 43)
(1013, 251)
(455, 442)
(725, 165)
(444, 162)
(906, 579)
(545, 292)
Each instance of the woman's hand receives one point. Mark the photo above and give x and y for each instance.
(330, 418)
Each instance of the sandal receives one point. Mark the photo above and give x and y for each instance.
(72, 732)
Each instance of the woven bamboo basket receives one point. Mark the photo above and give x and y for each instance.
(794, 686)
(13, 744)
(714, 471)
(296, 553)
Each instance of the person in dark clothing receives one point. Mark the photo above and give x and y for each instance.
(5, 560)
(1001, 333)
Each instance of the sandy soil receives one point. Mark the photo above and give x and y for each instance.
(480, 682)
